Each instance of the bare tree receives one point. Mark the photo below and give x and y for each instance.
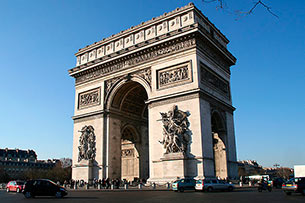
(221, 4)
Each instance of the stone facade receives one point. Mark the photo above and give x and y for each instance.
(158, 97)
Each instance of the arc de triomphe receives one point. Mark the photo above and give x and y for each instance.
(153, 102)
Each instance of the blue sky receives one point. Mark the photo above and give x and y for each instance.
(38, 40)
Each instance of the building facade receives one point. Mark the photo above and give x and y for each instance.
(154, 102)
(15, 162)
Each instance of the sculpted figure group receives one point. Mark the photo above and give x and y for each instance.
(176, 135)
(86, 147)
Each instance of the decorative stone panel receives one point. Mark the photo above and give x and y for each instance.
(110, 83)
(110, 48)
(162, 28)
(127, 152)
(92, 55)
(84, 58)
(78, 62)
(101, 52)
(150, 33)
(119, 45)
(139, 37)
(89, 98)
(187, 19)
(174, 24)
(175, 75)
(129, 41)
(213, 80)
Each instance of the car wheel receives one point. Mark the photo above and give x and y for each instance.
(288, 193)
(181, 189)
(28, 194)
(230, 189)
(18, 190)
(7, 189)
(210, 189)
(58, 195)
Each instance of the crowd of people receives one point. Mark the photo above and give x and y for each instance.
(102, 183)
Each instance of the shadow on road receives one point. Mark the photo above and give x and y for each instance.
(81, 198)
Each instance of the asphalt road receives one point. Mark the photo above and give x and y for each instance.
(240, 195)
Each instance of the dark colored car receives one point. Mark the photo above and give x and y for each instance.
(278, 182)
(294, 185)
(14, 186)
(184, 184)
(43, 187)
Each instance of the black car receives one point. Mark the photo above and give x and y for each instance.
(294, 185)
(43, 187)
(278, 182)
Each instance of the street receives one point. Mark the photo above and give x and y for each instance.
(239, 195)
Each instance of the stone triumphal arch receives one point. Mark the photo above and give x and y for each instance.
(153, 102)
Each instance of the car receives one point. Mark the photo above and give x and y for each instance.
(213, 184)
(184, 184)
(294, 185)
(14, 186)
(277, 182)
(43, 187)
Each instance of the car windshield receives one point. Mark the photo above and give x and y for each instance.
(290, 181)
(20, 182)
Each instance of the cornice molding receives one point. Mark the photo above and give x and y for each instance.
(146, 33)
(143, 56)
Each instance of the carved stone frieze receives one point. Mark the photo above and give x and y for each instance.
(110, 83)
(145, 74)
(89, 98)
(136, 59)
(204, 46)
(178, 74)
(211, 78)
(86, 148)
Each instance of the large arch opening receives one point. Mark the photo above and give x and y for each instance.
(129, 112)
(219, 146)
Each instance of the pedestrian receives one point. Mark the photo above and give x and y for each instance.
(107, 183)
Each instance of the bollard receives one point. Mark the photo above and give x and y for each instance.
(250, 184)
(240, 184)
(112, 186)
(154, 186)
(168, 185)
(140, 186)
(126, 186)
